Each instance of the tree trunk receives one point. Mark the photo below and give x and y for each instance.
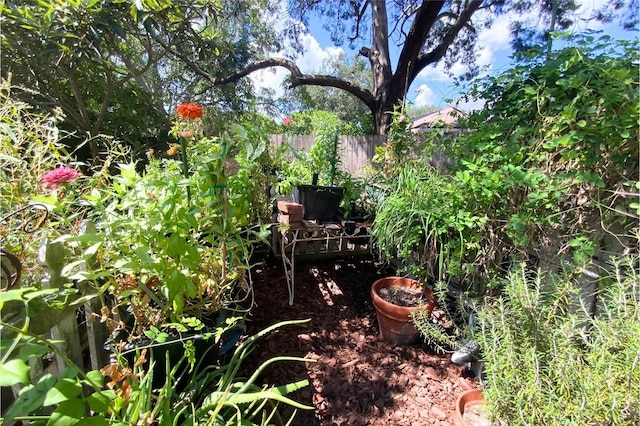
(381, 118)
(380, 65)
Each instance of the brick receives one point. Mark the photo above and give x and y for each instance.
(290, 208)
(290, 218)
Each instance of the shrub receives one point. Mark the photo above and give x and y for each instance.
(550, 360)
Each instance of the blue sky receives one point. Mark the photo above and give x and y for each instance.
(433, 86)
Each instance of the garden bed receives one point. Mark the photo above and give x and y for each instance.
(357, 378)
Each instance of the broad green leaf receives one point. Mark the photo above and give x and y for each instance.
(99, 401)
(14, 294)
(65, 389)
(14, 372)
(29, 350)
(95, 378)
(46, 383)
(239, 131)
(68, 413)
(41, 293)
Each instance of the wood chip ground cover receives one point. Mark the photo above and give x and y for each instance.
(357, 379)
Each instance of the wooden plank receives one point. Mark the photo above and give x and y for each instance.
(97, 335)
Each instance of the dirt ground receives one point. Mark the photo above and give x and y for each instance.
(357, 379)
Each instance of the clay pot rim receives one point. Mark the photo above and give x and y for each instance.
(467, 398)
(403, 282)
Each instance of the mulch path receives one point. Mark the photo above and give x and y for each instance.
(357, 379)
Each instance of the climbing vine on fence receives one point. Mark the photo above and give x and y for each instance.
(552, 159)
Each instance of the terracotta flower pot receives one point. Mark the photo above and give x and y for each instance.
(466, 401)
(395, 321)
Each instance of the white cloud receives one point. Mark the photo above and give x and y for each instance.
(309, 61)
(314, 55)
(498, 37)
(271, 78)
(424, 96)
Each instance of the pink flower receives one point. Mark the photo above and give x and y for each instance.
(58, 176)
(287, 121)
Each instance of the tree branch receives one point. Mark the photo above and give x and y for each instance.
(297, 77)
(330, 81)
(425, 59)
(426, 16)
(359, 16)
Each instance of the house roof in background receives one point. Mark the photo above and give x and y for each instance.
(447, 116)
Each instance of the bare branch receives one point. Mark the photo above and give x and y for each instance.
(330, 81)
(359, 16)
(462, 21)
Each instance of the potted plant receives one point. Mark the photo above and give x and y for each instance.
(410, 226)
(394, 299)
(321, 202)
(322, 197)
(420, 225)
(173, 247)
(470, 409)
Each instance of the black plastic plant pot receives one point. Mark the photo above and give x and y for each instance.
(320, 203)
(207, 353)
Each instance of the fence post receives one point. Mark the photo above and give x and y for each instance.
(52, 257)
(97, 332)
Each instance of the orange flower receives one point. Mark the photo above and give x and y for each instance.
(189, 111)
(175, 148)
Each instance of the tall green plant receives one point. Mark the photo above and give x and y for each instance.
(552, 159)
(423, 221)
(324, 154)
(549, 360)
(124, 394)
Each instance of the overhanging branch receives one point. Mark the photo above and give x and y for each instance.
(439, 51)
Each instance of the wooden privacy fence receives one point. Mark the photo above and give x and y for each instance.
(356, 152)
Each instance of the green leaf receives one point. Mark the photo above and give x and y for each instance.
(93, 421)
(240, 131)
(14, 372)
(143, 255)
(29, 399)
(95, 378)
(64, 390)
(68, 413)
(41, 293)
(29, 350)
(10, 296)
(46, 383)
(99, 401)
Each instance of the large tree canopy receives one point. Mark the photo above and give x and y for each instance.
(104, 63)
(426, 32)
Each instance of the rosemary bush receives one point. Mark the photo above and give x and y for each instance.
(550, 360)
